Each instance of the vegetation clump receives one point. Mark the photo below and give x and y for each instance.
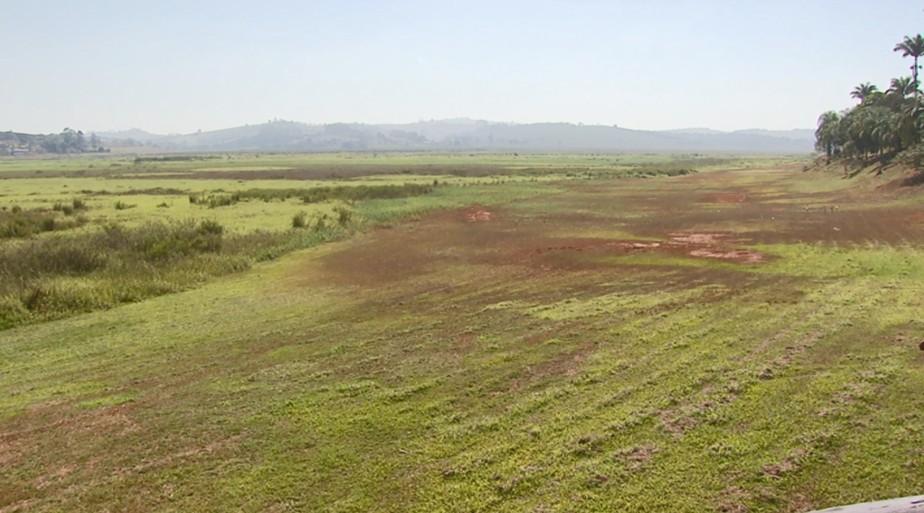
(57, 276)
(215, 200)
(17, 223)
(68, 209)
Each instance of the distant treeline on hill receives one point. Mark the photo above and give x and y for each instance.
(884, 126)
(68, 141)
(465, 135)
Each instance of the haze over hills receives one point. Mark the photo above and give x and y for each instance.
(467, 134)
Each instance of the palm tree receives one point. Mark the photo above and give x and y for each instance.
(827, 135)
(902, 87)
(912, 47)
(863, 91)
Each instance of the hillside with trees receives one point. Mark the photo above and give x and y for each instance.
(885, 126)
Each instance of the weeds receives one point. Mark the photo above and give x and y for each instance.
(58, 276)
(17, 223)
(76, 205)
(215, 200)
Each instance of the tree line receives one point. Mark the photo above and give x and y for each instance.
(68, 141)
(885, 124)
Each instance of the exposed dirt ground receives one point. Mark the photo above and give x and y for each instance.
(676, 220)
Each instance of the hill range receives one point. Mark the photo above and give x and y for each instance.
(466, 135)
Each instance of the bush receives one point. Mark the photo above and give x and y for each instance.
(121, 205)
(299, 220)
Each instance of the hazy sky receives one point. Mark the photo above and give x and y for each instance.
(180, 66)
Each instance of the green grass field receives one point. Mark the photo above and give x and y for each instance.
(557, 335)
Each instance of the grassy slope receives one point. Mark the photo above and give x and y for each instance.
(470, 380)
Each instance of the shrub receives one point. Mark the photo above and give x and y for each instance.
(121, 205)
(299, 220)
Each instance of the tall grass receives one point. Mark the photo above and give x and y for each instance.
(69, 209)
(58, 276)
(17, 223)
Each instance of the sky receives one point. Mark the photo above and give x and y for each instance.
(179, 66)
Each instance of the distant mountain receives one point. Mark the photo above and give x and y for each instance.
(131, 134)
(798, 134)
(470, 135)
(695, 131)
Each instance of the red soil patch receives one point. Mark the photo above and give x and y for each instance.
(475, 215)
(916, 217)
(713, 245)
(696, 238)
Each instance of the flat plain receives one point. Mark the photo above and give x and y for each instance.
(535, 333)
